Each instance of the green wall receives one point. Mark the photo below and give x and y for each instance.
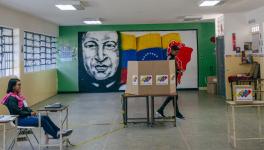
(68, 35)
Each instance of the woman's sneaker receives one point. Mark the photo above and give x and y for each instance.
(65, 133)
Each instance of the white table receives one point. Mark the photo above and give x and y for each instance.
(152, 120)
(63, 124)
(231, 124)
(7, 119)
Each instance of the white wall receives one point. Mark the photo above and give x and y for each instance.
(219, 25)
(36, 86)
(26, 22)
(239, 23)
(235, 23)
(257, 15)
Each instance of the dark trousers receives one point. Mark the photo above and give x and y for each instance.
(47, 124)
(168, 99)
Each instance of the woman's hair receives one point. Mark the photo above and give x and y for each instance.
(11, 84)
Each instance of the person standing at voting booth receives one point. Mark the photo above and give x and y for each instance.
(182, 55)
(16, 105)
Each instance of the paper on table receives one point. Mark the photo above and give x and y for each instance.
(4, 118)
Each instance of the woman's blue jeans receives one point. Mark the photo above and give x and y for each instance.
(47, 124)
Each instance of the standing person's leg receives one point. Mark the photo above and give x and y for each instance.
(162, 107)
(168, 99)
(178, 113)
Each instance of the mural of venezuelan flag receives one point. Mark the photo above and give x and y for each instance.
(128, 53)
(144, 47)
(149, 47)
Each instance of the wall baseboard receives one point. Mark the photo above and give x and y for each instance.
(202, 88)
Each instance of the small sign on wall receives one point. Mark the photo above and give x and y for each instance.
(243, 93)
(67, 53)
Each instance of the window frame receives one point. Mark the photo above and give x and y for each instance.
(7, 64)
(39, 46)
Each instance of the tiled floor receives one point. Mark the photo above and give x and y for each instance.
(96, 120)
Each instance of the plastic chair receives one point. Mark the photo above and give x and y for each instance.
(23, 133)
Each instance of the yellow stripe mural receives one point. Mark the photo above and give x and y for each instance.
(167, 38)
(150, 40)
(128, 41)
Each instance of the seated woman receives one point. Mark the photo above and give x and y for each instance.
(15, 103)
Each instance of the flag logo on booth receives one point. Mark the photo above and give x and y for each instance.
(162, 80)
(146, 80)
(172, 79)
(134, 80)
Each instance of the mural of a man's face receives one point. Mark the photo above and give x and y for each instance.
(100, 54)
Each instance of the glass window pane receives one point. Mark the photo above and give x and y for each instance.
(7, 32)
(40, 52)
(6, 52)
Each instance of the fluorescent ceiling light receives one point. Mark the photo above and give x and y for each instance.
(208, 3)
(92, 22)
(66, 7)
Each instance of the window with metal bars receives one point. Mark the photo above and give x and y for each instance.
(6, 52)
(39, 52)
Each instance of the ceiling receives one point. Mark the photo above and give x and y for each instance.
(127, 11)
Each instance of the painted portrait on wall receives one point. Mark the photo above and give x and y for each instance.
(99, 66)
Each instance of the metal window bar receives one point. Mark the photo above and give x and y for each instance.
(39, 52)
(6, 52)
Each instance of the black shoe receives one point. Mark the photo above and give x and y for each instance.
(179, 115)
(161, 113)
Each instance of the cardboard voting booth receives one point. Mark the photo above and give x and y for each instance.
(151, 78)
